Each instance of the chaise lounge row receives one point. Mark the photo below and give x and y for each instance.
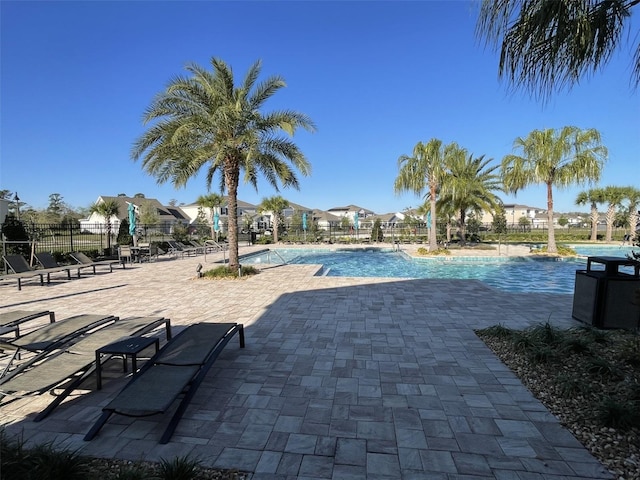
(19, 268)
(65, 353)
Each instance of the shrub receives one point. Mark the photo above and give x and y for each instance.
(225, 272)
(621, 414)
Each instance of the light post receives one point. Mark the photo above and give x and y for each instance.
(17, 200)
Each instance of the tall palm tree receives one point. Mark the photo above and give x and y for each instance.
(275, 205)
(423, 171)
(548, 45)
(554, 158)
(469, 185)
(205, 120)
(632, 194)
(593, 196)
(614, 196)
(106, 209)
(213, 202)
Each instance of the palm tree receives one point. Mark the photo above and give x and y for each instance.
(106, 209)
(423, 170)
(632, 194)
(552, 44)
(275, 205)
(213, 202)
(554, 158)
(614, 196)
(593, 197)
(205, 120)
(469, 185)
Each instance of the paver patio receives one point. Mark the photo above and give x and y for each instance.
(341, 378)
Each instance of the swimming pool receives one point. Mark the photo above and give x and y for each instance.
(513, 274)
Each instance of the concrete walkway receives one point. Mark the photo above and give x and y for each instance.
(343, 378)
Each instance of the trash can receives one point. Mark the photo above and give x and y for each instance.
(603, 294)
(252, 237)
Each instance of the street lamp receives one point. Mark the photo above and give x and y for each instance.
(17, 200)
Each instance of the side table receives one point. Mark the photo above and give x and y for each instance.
(131, 346)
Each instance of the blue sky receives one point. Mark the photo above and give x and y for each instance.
(376, 78)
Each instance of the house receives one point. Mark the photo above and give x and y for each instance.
(166, 217)
(247, 213)
(513, 213)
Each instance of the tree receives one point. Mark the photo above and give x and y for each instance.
(614, 196)
(499, 224)
(593, 196)
(551, 44)
(554, 158)
(469, 185)
(632, 194)
(525, 224)
(376, 231)
(205, 121)
(421, 171)
(275, 205)
(106, 209)
(213, 202)
(563, 221)
(124, 237)
(148, 213)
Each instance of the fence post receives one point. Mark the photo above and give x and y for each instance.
(71, 237)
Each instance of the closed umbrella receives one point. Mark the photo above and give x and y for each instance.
(132, 221)
(304, 222)
(356, 220)
(216, 224)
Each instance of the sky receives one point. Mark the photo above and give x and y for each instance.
(376, 77)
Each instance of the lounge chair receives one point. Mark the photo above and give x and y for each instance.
(46, 339)
(179, 248)
(76, 362)
(11, 321)
(81, 259)
(47, 261)
(21, 269)
(178, 368)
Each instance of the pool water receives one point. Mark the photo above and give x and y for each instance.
(513, 274)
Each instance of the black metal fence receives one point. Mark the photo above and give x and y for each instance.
(64, 238)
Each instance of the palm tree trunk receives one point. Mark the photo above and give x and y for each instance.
(633, 219)
(551, 242)
(611, 216)
(594, 222)
(463, 230)
(433, 240)
(231, 179)
(276, 221)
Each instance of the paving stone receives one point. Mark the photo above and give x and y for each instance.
(341, 378)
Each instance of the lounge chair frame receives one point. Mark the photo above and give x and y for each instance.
(48, 338)
(180, 360)
(76, 362)
(21, 269)
(83, 261)
(11, 321)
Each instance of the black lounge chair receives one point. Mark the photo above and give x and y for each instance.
(11, 321)
(47, 261)
(177, 369)
(21, 269)
(82, 259)
(46, 339)
(73, 364)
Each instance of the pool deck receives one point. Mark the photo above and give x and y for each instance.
(341, 378)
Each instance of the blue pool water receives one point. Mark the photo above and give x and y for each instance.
(514, 274)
